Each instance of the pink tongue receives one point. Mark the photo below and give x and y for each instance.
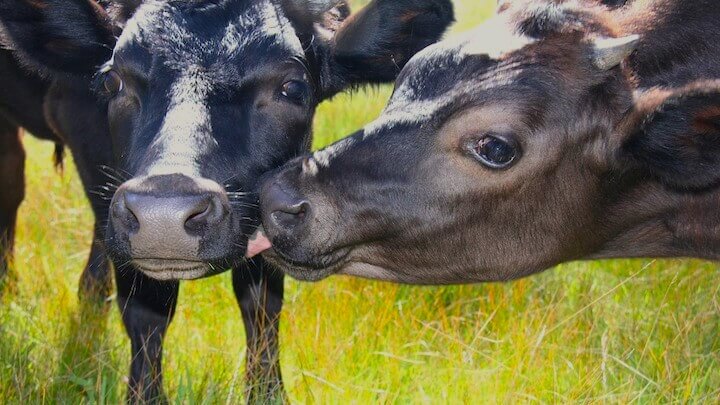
(258, 243)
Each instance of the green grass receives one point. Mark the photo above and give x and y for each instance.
(612, 331)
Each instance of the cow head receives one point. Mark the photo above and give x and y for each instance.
(203, 97)
(497, 159)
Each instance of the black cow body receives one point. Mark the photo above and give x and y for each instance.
(200, 100)
(44, 108)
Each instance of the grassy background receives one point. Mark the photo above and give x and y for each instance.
(616, 331)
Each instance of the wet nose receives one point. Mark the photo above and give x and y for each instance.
(284, 209)
(193, 214)
(166, 218)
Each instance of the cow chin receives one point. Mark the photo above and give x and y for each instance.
(318, 269)
(168, 270)
(346, 267)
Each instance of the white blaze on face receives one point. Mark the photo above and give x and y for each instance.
(492, 39)
(321, 158)
(186, 132)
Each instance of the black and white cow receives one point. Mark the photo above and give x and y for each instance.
(202, 98)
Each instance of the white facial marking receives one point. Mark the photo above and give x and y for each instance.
(413, 112)
(186, 132)
(322, 158)
(493, 40)
(310, 167)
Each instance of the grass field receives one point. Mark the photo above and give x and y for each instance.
(613, 331)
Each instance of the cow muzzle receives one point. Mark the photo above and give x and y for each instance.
(163, 221)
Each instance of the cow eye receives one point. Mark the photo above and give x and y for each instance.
(112, 83)
(295, 91)
(496, 152)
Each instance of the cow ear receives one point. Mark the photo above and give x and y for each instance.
(374, 44)
(324, 16)
(66, 37)
(675, 136)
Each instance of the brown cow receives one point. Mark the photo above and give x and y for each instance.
(575, 133)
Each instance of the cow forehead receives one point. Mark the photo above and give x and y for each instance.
(463, 67)
(187, 33)
(491, 56)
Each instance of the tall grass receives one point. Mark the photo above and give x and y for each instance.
(612, 331)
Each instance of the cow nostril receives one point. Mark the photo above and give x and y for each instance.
(284, 207)
(122, 211)
(290, 216)
(206, 212)
(198, 216)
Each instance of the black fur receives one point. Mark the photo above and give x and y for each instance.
(680, 142)
(385, 35)
(58, 36)
(46, 108)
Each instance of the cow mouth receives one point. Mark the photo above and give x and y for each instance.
(304, 271)
(321, 266)
(173, 269)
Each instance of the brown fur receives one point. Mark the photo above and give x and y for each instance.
(623, 162)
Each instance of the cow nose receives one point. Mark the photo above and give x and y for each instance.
(166, 217)
(192, 213)
(286, 210)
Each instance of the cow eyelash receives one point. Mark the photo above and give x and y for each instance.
(312, 80)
